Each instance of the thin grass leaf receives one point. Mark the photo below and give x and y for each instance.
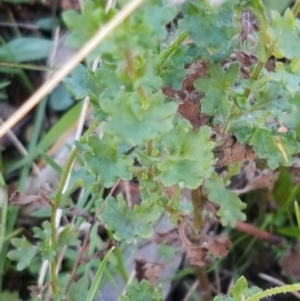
(297, 215)
(95, 284)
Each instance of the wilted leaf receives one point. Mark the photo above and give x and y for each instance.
(19, 199)
(147, 271)
(197, 246)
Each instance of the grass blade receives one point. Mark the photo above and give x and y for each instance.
(95, 284)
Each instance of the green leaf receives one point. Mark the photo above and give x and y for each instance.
(82, 83)
(126, 223)
(84, 26)
(214, 28)
(81, 178)
(67, 237)
(163, 13)
(103, 160)
(10, 296)
(142, 291)
(24, 252)
(288, 80)
(187, 155)
(240, 288)
(223, 298)
(44, 234)
(135, 124)
(59, 99)
(4, 84)
(285, 31)
(78, 290)
(216, 99)
(265, 146)
(230, 205)
(25, 49)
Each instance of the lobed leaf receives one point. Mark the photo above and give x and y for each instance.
(126, 223)
(103, 160)
(188, 157)
(44, 246)
(81, 83)
(213, 28)
(142, 291)
(23, 254)
(230, 205)
(135, 124)
(284, 31)
(214, 87)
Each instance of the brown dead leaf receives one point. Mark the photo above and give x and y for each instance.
(188, 106)
(271, 64)
(189, 98)
(195, 70)
(246, 59)
(147, 271)
(191, 112)
(198, 246)
(169, 238)
(19, 199)
(258, 179)
(38, 290)
(218, 245)
(233, 151)
(290, 262)
(245, 72)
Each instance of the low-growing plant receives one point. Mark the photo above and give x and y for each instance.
(183, 91)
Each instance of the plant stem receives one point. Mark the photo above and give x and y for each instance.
(197, 208)
(198, 201)
(296, 8)
(274, 291)
(165, 55)
(254, 75)
(57, 200)
(204, 283)
(132, 74)
(259, 11)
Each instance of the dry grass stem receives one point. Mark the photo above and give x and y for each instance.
(49, 85)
